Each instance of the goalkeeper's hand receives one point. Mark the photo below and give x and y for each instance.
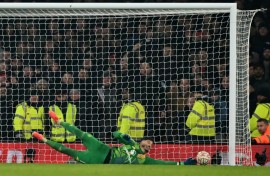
(126, 137)
(189, 161)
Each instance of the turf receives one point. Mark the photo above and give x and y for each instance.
(126, 170)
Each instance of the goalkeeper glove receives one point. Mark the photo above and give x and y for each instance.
(126, 137)
(189, 161)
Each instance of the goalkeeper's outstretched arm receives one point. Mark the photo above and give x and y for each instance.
(124, 138)
(144, 147)
(149, 161)
(127, 140)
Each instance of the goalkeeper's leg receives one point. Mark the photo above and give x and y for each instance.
(97, 150)
(87, 157)
(89, 141)
(74, 130)
(59, 147)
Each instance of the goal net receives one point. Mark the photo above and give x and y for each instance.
(83, 63)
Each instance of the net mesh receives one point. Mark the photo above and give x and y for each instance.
(243, 151)
(86, 59)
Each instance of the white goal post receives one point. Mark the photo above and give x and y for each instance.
(224, 15)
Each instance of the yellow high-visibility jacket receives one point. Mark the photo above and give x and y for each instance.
(28, 118)
(59, 134)
(262, 111)
(131, 120)
(201, 119)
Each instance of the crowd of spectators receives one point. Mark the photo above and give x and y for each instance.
(242, 4)
(165, 61)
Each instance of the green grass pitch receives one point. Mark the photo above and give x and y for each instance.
(126, 170)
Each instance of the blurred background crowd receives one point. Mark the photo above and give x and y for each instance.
(242, 4)
(164, 61)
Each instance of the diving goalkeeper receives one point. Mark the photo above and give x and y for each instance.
(100, 153)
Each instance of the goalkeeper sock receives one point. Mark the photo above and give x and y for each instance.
(63, 149)
(54, 145)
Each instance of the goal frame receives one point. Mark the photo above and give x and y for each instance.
(232, 9)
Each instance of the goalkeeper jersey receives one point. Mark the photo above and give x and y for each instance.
(127, 154)
(131, 153)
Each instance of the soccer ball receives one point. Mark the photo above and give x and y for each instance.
(203, 158)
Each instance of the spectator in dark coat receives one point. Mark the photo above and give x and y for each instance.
(6, 106)
(258, 42)
(151, 91)
(266, 62)
(221, 112)
(104, 107)
(152, 96)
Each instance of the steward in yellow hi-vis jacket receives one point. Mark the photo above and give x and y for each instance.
(29, 117)
(67, 113)
(262, 110)
(201, 120)
(131, 119)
